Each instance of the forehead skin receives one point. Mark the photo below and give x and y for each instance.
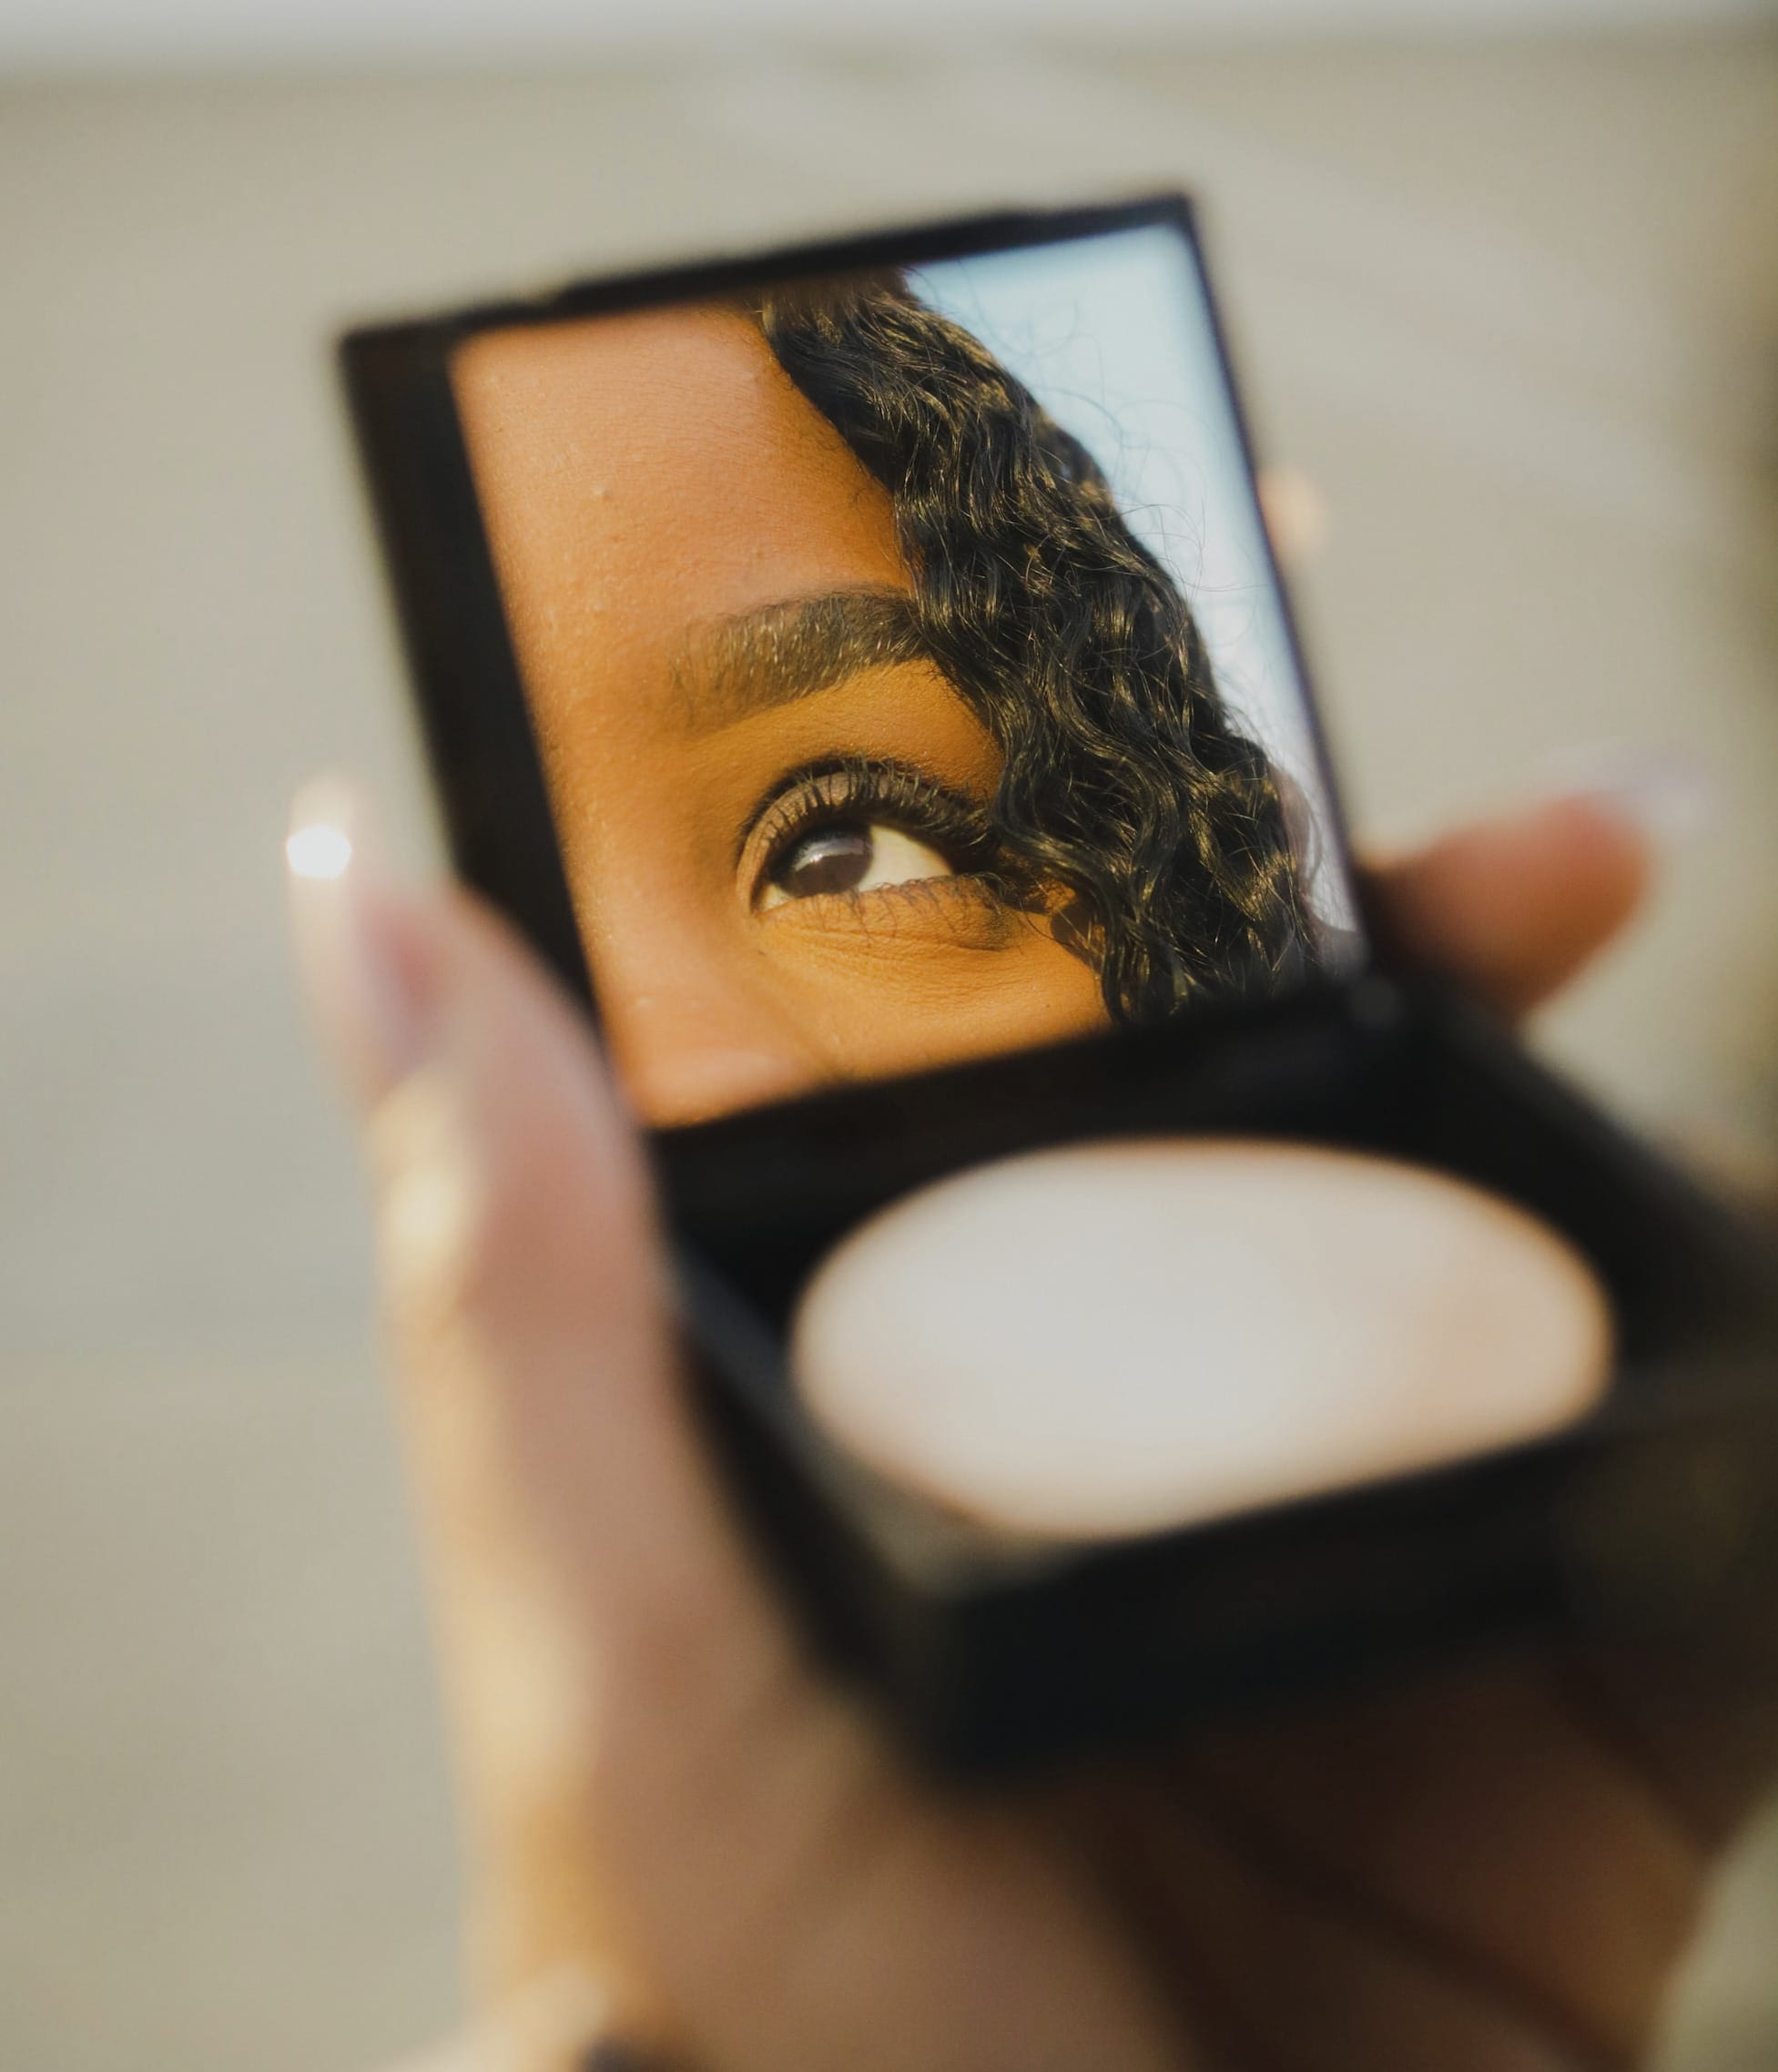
(644, 472)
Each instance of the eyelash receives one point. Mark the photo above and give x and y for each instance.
(835, 793)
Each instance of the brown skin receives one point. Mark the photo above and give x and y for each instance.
(1495, 1872)
(646, 478)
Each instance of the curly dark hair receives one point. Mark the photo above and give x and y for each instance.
(1125, 783)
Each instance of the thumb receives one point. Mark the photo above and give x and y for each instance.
(1515, 907)
(597, 1619)
(657, 1790)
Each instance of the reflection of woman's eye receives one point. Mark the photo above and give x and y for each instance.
(860, 857)
(847, 830)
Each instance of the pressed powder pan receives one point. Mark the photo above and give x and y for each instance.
(1123, 1338)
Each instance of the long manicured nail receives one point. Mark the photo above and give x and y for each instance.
(1295, 514)
(1666, 793)
(363, 951)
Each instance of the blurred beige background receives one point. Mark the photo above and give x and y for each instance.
(1512, 305)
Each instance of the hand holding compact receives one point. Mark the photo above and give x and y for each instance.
(1495, 1872)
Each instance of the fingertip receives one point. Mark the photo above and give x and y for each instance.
(533, 1206)
(1589, 856)
(365, 945)
(1516, 905)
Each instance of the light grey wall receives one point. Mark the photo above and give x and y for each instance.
(1516, 311)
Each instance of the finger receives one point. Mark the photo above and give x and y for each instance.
(1276, 1968)
(1475, 1814)
(584, 1574)
(1699, 1720)
(1516, 906)
(655, 1786)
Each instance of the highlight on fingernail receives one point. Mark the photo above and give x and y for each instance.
(1665, 792)
(317, 848)
(362, 945)
(330, 823)
(1295, 513)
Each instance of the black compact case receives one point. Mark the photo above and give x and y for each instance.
(1659, 1511)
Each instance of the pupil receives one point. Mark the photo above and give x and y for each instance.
(834, 861)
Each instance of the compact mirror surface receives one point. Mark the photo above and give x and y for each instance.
(908, 670)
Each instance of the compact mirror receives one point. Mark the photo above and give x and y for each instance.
(910, 676)
(864, 674)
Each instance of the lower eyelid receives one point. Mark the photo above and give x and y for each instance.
(833, 910)
(901, 887)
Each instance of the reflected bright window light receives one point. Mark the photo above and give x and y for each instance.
(319, 850)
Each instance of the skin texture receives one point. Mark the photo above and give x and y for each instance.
(1494, 1872)
(644, 480)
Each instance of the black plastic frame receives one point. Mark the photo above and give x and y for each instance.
(989, 1660)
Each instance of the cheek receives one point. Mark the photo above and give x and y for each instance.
(1051, 992)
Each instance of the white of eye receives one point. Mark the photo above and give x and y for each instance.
(898, 859)
(892, 858)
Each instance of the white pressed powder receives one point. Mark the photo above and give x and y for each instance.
(1127, 1338)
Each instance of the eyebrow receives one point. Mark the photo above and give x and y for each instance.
(732, 667)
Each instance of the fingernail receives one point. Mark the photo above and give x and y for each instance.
(364, 951)
(1666, 793)
(1295, 514)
